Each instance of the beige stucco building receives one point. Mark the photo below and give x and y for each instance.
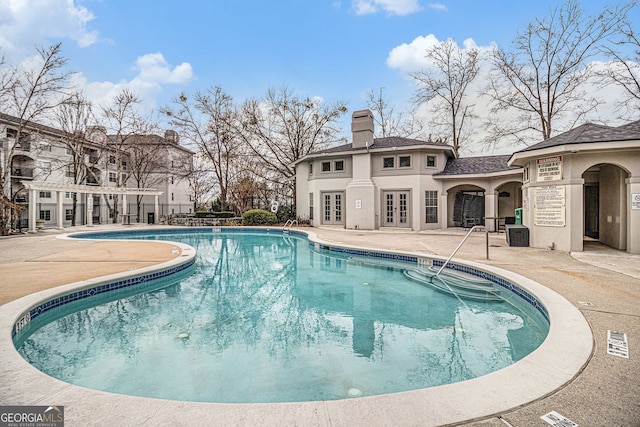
(585, 182)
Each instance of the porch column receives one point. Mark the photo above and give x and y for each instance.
(59, 210)
(633, 217)
(490, 209)
(443, 210)
(33, 203)
(157, 209)
(90, 210)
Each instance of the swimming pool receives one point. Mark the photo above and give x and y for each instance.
(263, 309)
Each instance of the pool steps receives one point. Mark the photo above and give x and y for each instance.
(459, 284)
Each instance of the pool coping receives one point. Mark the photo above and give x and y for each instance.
(564, 353)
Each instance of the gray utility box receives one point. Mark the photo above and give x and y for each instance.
(517, 235)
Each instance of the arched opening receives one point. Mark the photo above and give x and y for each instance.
(509, 199)
(467, 204)
(605, 206)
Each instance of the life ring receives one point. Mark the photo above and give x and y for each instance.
(274, 206)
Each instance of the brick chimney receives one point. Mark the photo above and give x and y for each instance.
(362, 128)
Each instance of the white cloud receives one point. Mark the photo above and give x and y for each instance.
(410, 57)
(155, 69)
(438, 6)
(393, 7)
(153, 73)
(25, 23)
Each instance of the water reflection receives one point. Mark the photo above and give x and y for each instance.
(266, 318)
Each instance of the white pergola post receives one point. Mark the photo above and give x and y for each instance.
(33, 203)
(124, 209)
(156, 210)
(89, 210)
(59, 210)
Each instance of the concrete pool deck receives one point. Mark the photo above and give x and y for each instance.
(604, 285)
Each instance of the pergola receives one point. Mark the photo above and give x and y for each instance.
(60, 189)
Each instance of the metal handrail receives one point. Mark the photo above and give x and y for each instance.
(289, 223)
(460, 245)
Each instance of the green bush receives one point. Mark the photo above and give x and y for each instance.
(224, 214)
(285, 213)
(258, 217)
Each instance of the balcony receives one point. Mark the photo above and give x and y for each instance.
(22, 173)
(92, 181)
(22, 199)
(23, 147)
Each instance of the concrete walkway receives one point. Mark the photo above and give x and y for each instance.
(603, 284)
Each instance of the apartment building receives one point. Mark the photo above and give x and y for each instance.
(80, 170)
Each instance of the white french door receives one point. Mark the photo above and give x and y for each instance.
(333, 208)
(395, 208)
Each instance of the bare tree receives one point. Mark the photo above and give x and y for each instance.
(73, 116)
(29, 94)
(123, 122)
(390, 122)
(201, 180)
(208, 122)
(446, 82)
(624, 71)
(282, 128)
(541, 79)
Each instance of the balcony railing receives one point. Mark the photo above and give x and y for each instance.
(92, 181)
(22, 172)
(22, 199)
(23, 146)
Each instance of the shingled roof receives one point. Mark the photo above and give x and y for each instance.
(590, 133)
(388, 142)
(477, 165)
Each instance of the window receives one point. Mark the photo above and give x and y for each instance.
(431, 161)
(172, 180)
(68, 214)
(172, 199)
(404, 161)
(68, 195)
(11, 133)
(326, 166)
(310, 168)
(431, 206)
(46, 215)
(338, 165)
(68, 150)
(112, 160)
(124, 165)
(44, 166)
(388, 162)
(124, 177)
(45, 146)
(45, 194)
(525, 174)
(112, 177)
(310, 206)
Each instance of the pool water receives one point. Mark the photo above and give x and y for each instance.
(270, 318)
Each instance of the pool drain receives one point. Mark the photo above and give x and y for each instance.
(183, 336)
(354, 392)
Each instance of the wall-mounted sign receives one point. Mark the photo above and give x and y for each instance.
(549, 206)
(635, 201)
(549, 168)
(358, 204)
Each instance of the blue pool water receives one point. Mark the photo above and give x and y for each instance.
(266, 317)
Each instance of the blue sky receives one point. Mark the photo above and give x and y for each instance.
(336, 50)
